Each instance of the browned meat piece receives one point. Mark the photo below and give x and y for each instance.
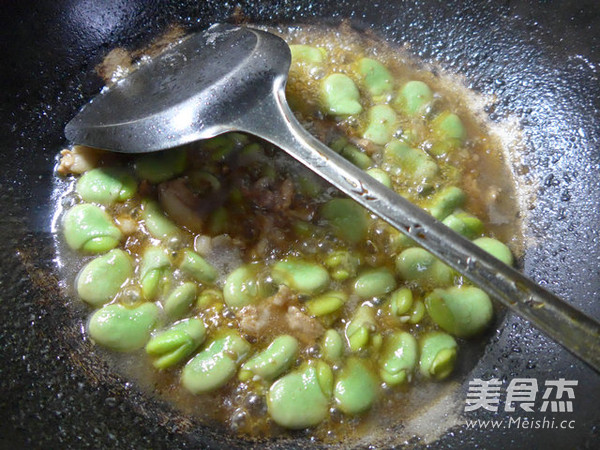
(78, 160)
(279, 314)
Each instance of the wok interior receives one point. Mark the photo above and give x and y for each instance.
(57, 388)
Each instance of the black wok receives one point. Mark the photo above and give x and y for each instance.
(539, 58)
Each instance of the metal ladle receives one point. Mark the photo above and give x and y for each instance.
(231, 78)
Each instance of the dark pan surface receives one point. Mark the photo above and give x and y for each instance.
(540, 59)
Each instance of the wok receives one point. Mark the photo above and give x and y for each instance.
(539, 58)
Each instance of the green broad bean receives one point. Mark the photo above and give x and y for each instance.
(327, 303)
(398, 359)
(155, 261)
(382, 124)
(449, 127)
(348, 219)
(301, 398)
(342, 265)
(417, 264)
(361, 327)
(495, 248)
(196, 266)
(307, 54)
(160, 166)
(220, 147)
(106, 186)
(374, 283)
(376, 78)
(101, 279)
(416, 314)
(245, 286)
(438, 354)
(214, 366)
(90, 229)
(464, 223)
(413, 98)
(340, 95)
(355, 387)
(173, 345)
(273, 361)
(332, 346)
(444, 202)
(399, 302)
(302, 276)
(410, 163)
(356, 157)
(180, 301)
(123, 329)
(157, 224)
(381, 176)
(463, 311)
(209, 297)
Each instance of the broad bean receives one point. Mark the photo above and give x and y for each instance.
(302, 276)
(438, 354)
(374, 283)
(214, 366)
(300, 399)
(348, 219)
(123, 329)
(171, 346)
(90, 229)
(398, 359)
(463, 311)
(355, 387)
(340, 95)
(101, 279)
(273, 361)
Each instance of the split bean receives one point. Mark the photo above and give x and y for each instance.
(273, 361)
(155, 261)
(399, 302)
(196, 266)
(438, 354)
(398, 359)
(214, 366)
(361, 327)
(90, 229)
(171, 346)
(342, 264)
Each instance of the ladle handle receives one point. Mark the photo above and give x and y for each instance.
(576, 331)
